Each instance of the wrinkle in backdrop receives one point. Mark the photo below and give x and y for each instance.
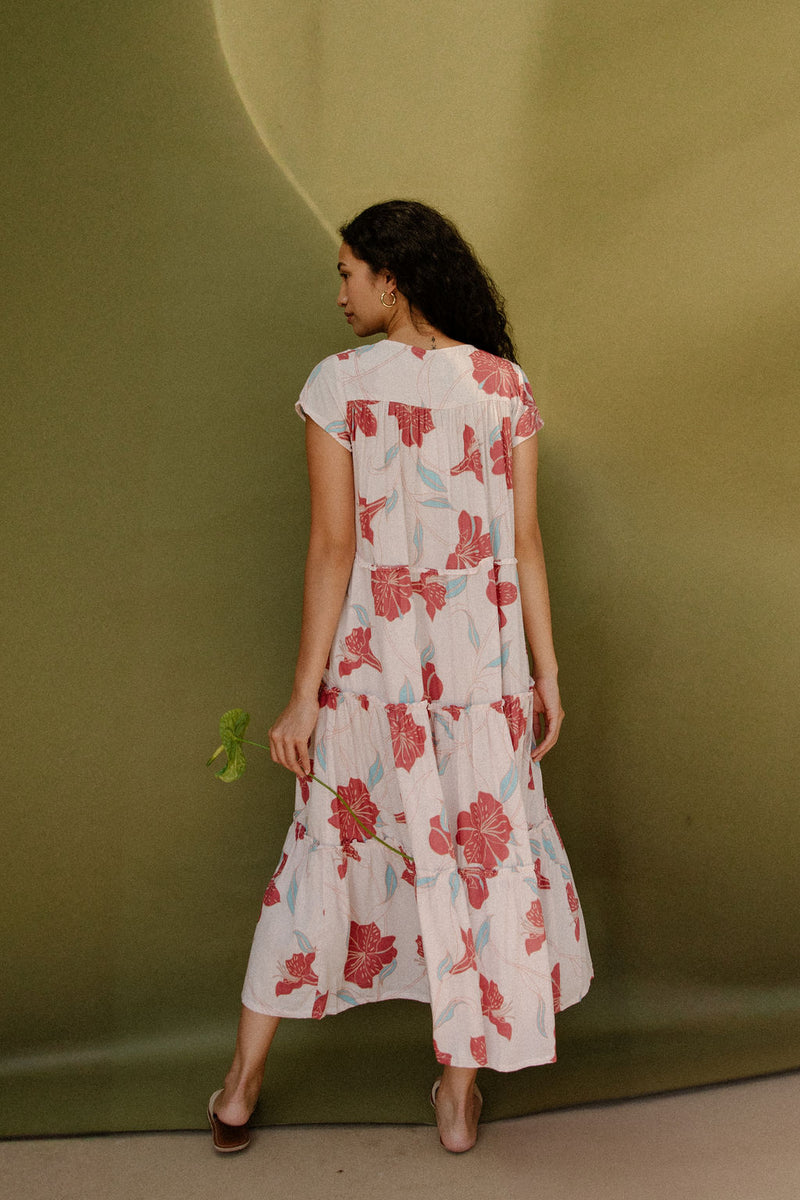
(173, 182)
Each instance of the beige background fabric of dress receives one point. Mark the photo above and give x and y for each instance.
(628, 173)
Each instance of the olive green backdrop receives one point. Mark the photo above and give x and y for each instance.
(172, 172)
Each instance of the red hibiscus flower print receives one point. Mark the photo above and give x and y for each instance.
(555, 977)
(272, 895)
(299, 971)
(391, 591)
(439, 839)
(367, 954)
(359, 416)
(502, 593)
(420, 949)
(455, 711)
(475, 881)
(472, 544)
(542, 882)
(535, 927)
(484, 831)
(365, 514)
(530, 421)
(432, 591)
(445, 1059)
(431, 683)
(515, 718)
(328, 696)
(572, 901)
(492, 1006)
(495, 375)
(413, 421)
(469, 959)
(408, 738)
(357, 644)
(356, 795)
(410, 871)
(418, 350)
(472, 456)
(305, 784)
(320, 1003)
(501, 453)
(477, 1048)
(299, 831)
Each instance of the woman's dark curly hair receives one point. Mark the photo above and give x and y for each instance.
(436, 270)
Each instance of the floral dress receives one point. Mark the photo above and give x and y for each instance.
(425, 730)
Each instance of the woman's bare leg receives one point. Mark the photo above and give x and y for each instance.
(458, 1108)
(244, 1079)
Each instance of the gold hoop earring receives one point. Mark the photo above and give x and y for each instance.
(394, 300)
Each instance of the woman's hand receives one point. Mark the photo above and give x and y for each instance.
(291, 733)
(547, 715)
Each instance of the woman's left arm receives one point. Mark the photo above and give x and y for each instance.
(535, 598)
(331, 549)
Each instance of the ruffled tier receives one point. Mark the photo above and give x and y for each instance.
(484, 924)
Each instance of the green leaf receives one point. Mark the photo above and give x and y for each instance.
(232, 728)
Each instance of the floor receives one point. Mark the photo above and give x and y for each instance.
(732, 1142)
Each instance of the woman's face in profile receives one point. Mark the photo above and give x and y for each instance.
(360, 294)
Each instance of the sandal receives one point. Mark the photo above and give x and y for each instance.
(434, 1093)
(226, 1138)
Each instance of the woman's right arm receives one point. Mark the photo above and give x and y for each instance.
(331, 550)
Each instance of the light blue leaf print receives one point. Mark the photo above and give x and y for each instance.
(531, 884)
(439, 719)
(503, 659)
(494, 435)
(548, 845)
(361, 614)
(540, 1016)
(291, 895)
(455, 886)
(391, 453)
(536, 849)
(565, 875)
(443, 763)
(418, 540)
(444, 966)
(336, 427)
(494, 537)
(375, 773)
(426, 881)
(474, 636)
(348, 999)
(447, 1015)
(427, 654)
(314, 373)
(303, 942)
(390, 503)
(391, 881)
(455, 586)
(406, 693)
(387, 970)
(508, 782)
(482, 936)
(321, 755)
(430, 477)
(436, 503)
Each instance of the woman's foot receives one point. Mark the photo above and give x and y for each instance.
(457, 1116)
(227, 1138)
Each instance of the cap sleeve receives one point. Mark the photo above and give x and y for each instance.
(526, 419)
(322, 401)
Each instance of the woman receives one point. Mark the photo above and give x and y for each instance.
(436, 874)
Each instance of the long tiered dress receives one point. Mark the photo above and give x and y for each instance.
(425, 728)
